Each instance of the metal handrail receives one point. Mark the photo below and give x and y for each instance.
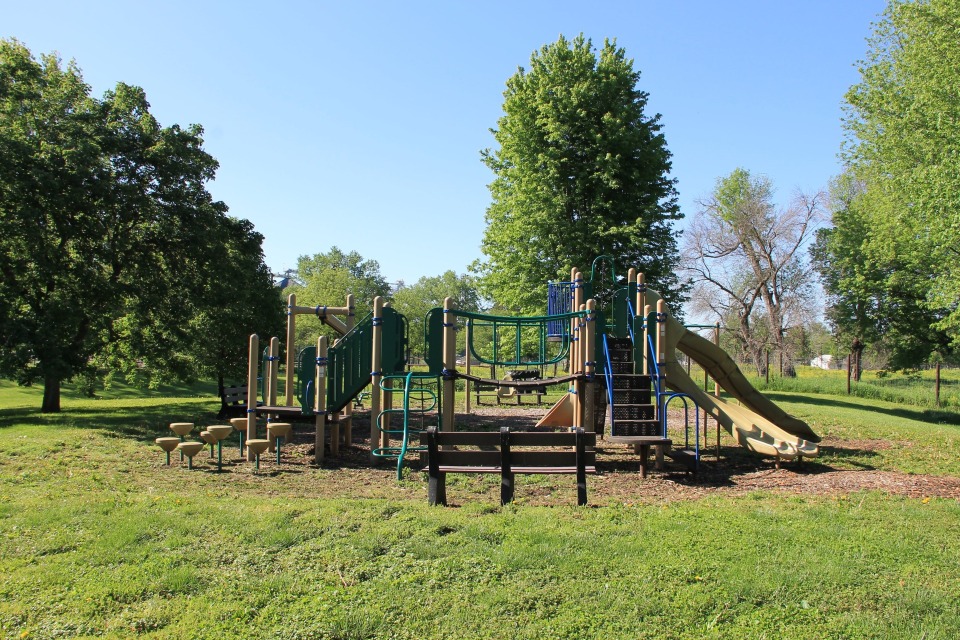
(609, 376)
(517, 324)
(401, 451)
(686, 423)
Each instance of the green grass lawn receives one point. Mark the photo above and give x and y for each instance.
(99, 539)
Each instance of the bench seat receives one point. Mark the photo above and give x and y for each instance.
(508, 453)
(233, 402)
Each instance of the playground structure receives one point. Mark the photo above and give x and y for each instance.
(622, 362)
(326, 379)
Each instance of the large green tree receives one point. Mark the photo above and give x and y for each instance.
(326, 279)
(580, 170)
(108, 230)
(416, 300)
(903, 127)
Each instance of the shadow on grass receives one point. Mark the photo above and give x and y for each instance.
(144, 423)
(921, 415)
(736, 462)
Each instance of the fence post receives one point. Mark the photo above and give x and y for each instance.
(936, 388)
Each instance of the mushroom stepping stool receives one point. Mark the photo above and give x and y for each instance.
(257, 446)
(168, 444)
(181, 429)
(240, 424)
(277, 430)
(219, 433)
(210, 439)
(190, 449)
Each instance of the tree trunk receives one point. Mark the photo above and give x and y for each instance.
(51, 395)
(787, 370)
(759, 356)
(856, 352)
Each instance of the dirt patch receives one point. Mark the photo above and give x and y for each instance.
(737, 472)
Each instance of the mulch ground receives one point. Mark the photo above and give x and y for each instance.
(736, 472)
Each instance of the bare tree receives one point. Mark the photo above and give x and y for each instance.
(743, 257)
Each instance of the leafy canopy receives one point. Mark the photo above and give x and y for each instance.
(326, 279)
(580, 170)
(903, 140)
(111, 242)
(427, 293)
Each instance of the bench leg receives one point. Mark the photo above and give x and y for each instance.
(506, 488)
(437, 489)
(644, 454)
(581, 469)
(581, 489)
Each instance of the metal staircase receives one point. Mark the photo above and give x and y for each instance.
(631, 406)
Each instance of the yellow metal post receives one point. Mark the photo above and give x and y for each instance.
(375, 375)
(449, 363)
(320, 399)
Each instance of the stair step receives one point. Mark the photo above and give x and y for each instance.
(633, 412)
(635, 428)
(620, 355)
(631, 381)
(686, 457)
(620, 368)
(632, 396)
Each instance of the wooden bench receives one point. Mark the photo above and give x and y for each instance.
(233, 402)
(486, 391)
(508, 453)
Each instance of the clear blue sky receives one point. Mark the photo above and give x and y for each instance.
(359, 124)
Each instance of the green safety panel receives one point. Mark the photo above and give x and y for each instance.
(350, 360)
(395, 341)
(433, 341)
(621, 313)
(306, 378)
(349, 363)
(599, 357)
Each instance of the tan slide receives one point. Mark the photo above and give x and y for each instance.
(757, 423)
